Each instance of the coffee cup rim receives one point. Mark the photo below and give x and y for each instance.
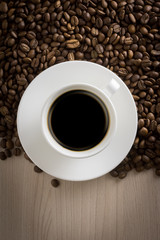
(83, 153)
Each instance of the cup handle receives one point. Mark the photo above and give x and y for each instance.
(111, 87)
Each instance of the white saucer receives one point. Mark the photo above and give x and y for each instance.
(29, 122)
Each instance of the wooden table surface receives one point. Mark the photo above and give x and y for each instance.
(102, 209)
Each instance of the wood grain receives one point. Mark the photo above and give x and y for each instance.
(101, 209)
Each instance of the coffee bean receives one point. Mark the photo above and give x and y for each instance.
(158, 129)
(79, 55)
(131, 28)
(140, 123)
(74, 21)
(122, 174)
(114, 173)
(127, 167)
(3, 7)
(140, 168)
(128, 41)
(158, 108)
(4, 110)
(157, 46)
(155, 52)
(150, 116)
(37, 169)
(9, 120)
(144, 19)
(142, 94)
(150, 153)
(145, 159)
(47, 17)
(55, 183)
(94, 31)
(33, 43)
(8, 153)
(143, 131)
(143, 30)
(17, 151)
(27, 157)
(3, 143)
(99, 48)
(11, 42)
(122, 72)
(137, 159)
(153, 125)
(73, 43)
(9, 144)
(3, 155)
(158, 172)
(132, 18)
(24, 47)
(151, 139)
(99, 22)
(52, 61)
(71, 56)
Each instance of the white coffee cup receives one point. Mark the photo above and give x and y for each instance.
(105, 96)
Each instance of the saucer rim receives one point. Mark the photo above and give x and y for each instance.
(69, 178)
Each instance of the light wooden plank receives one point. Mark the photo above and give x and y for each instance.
(100, 209)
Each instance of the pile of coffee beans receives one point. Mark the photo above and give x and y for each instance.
(121, 35)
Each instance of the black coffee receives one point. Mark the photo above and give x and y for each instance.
(78, 120)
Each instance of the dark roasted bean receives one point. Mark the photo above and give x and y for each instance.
(3, 155)
(37, 169)
(55, 183)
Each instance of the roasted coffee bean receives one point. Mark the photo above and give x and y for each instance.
(94, 31)
(114, 173)
(145, 159)
(137, 159)
(122, 174)
(141, 123)
(74, 20)
(131, 28)
(9, 144)
(158, 129)
(73, 43)
(3, 7)
(139, 168)
(27, 157)
(99, 48)
(144, 19)
(3, 155)
(155, 52)
(17, 151)
(158, 172)
(8, 153)
(4, 110)
(79, 55)
(158, 108)
(37, 169)
(11, 42)
(143, 132)
(3, 143)
(55, 183)
(71, 56)
(150, 116)
(143, 30)
(132, 18)
(24, 47)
